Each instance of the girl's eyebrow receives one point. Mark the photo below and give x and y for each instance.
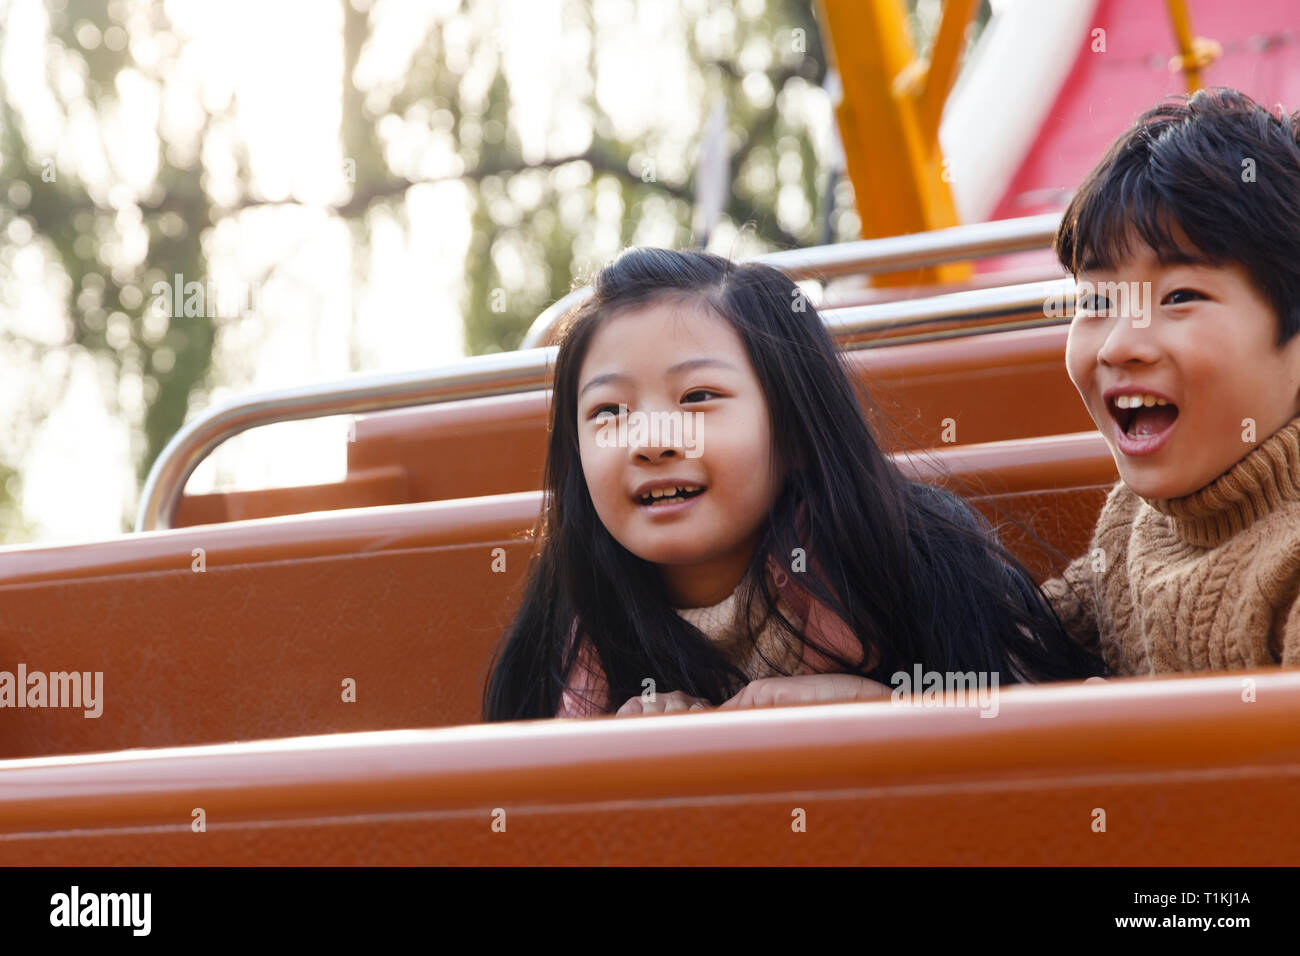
(682, 366)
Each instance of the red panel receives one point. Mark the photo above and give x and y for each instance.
(1106, 92)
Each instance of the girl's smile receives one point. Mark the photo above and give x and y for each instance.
(672, 496)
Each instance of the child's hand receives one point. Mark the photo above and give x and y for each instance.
(806, 689)
(673, 702)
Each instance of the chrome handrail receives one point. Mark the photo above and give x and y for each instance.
(1029, 304)
(473, 377)
(528, 369)
(867, 256)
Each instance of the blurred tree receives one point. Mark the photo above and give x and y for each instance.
(750, 59)
(110, 242)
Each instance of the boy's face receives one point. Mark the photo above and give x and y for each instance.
(1200, 338)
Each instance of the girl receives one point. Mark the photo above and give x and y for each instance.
(765, 542)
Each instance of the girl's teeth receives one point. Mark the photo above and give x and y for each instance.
(661, 492)
(656, 493)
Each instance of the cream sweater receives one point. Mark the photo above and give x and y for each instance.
(1200, 583)
(771, 653)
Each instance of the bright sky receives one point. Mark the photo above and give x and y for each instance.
(321, 315)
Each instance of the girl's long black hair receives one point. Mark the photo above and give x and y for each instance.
(915, 574)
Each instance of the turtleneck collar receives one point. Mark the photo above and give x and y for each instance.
(718, 621)
(1268, 476)
(772, 652)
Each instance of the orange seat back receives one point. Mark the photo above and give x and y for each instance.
(962, 391)
(1171, 772)
(251, 629)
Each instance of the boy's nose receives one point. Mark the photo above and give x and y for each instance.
(1128, 340)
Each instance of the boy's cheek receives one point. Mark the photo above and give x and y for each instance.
(1080, 360)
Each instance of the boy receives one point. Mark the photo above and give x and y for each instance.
(1185, 241)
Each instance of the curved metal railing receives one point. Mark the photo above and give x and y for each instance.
(944, 316)
(919, 250)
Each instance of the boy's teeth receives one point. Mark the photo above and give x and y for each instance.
(1138, 401)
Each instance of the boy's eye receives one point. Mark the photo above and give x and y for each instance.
(1093, 303)
(1187, 295)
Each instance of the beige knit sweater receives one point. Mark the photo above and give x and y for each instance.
(1204, 582)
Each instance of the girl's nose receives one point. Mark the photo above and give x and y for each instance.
(654, 451)
(654, 446)
(655, 436)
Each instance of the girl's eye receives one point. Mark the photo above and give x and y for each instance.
(611, 410)
(1189, 295)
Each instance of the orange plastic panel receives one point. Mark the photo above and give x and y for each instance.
(993, 387)
(248, 630)
(1168, 772)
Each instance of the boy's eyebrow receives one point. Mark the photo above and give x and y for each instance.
(1183, 257)
(1177, 256)
(682, 366)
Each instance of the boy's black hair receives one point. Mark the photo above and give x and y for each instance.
(908, 567)
(1216, 166)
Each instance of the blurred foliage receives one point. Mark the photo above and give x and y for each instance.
(497, 314)
(85, 224)
(112, 243)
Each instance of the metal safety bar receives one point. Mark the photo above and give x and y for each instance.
(978, 240)
(1021, 306)
(956, 314)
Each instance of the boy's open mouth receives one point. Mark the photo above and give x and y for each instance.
(1142, 416)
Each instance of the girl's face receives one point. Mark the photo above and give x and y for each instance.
(694, 415)
(1201, 342)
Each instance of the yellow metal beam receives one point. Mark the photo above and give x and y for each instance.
(889, 120)
(1195, 53)
(944, 60)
